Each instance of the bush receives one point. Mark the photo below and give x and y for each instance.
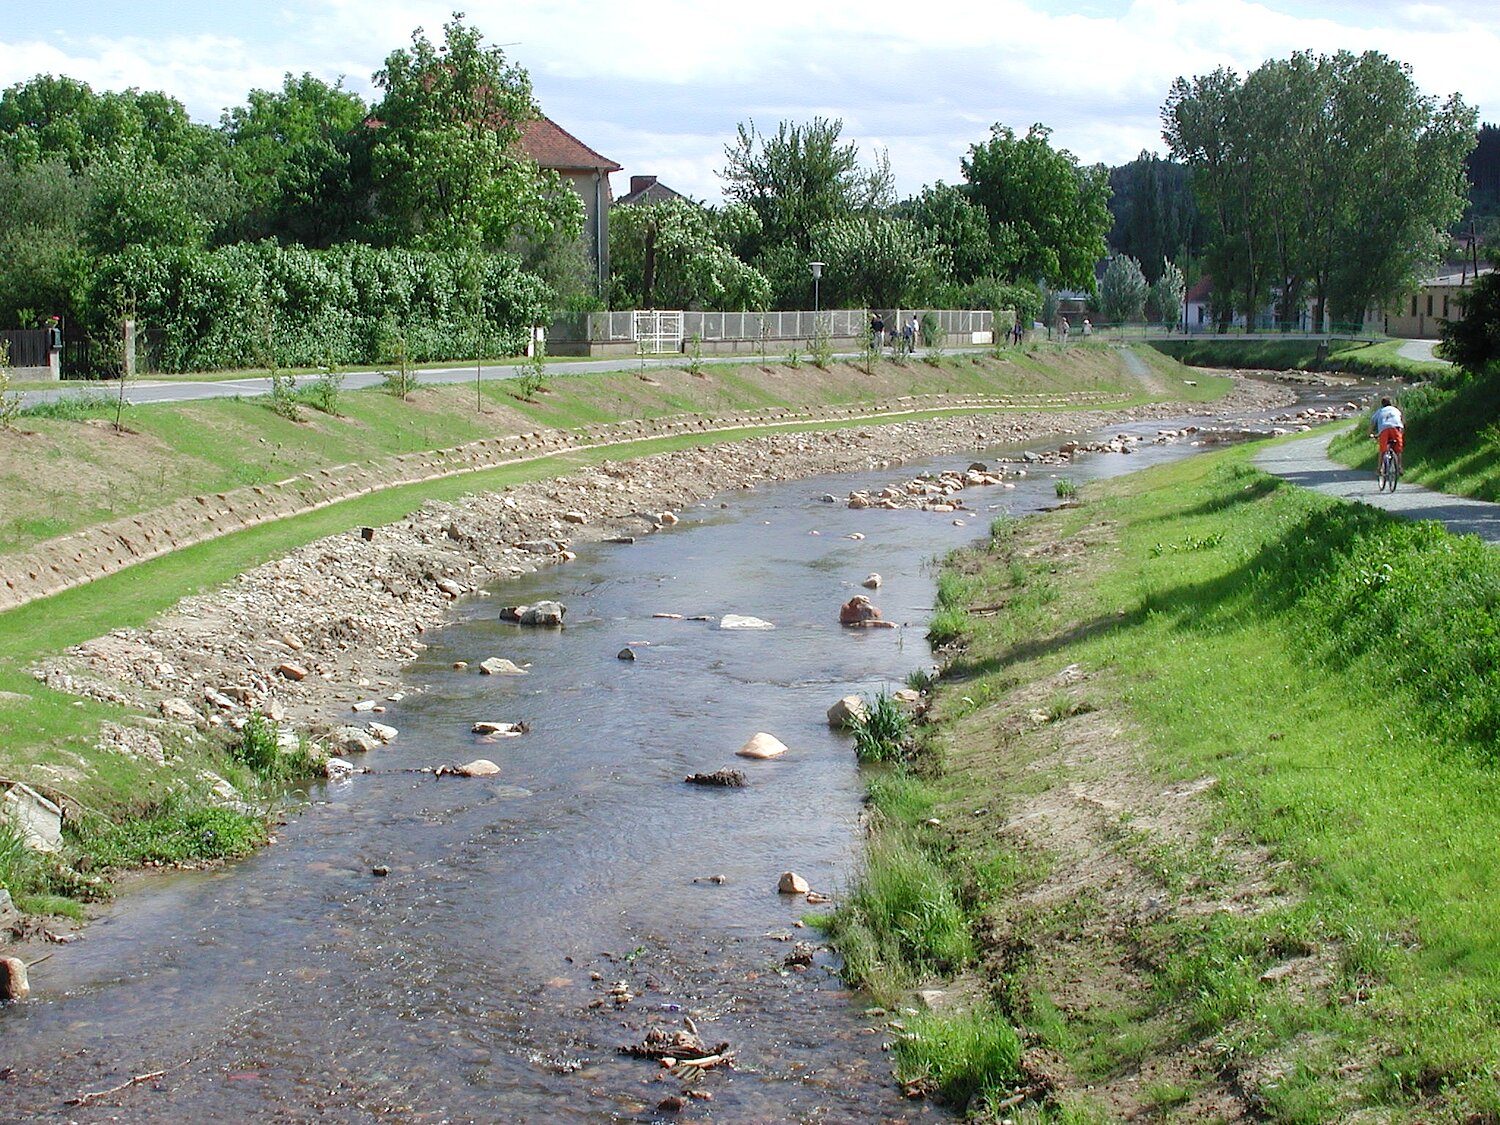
(882, 733)
(965, 1060)
(903, 921)
(177, 830)
(259, 748)
(336, 306)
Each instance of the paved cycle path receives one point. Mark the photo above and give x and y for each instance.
(1306, 463)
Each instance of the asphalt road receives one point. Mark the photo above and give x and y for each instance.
(140, 391)
(1306, 463)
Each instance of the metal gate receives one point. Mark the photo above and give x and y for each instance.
(656, 331)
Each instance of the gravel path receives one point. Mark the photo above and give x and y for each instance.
(1306, 463)
(1421, 351)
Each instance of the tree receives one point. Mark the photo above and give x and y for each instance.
(1055, 211)
(953, 220)
(43, 263)
(49, 116)
(797, 181)
(1324, 175)
(674, 254)
(1164, 301)
(878, 262)
(301, 154)
(1473, 343)
(1122, 293)
(1156, 215)
(447, 159)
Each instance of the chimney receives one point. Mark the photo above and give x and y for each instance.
(641, 183)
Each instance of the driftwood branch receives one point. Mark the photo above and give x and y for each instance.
(95, 1095)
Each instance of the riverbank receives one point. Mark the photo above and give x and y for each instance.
(1223, 857)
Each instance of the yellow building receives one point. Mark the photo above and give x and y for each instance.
(1420, 316)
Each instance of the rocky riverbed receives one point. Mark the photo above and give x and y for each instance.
(317, 640)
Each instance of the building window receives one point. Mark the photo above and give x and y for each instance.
(1445, 304)
(1429, 304)
(1413, 304)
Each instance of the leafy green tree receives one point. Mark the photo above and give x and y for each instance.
(1328, 176)
(44, 266)
(953, 220)
(447, 159)
(49, 116)
(1156, 215)
(1055, 212)
(301, 154)
(878, 262)
(674, 254)
(1164, 301)
(1122, 292)
(797, 181)
(1473, 343)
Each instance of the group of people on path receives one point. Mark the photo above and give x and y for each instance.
(904, 337)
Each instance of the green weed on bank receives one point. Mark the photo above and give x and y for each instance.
(1333, 669)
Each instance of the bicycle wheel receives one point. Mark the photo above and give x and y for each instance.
(1382, 467)
(1395, 470)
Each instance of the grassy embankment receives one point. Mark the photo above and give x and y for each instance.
(1280, 740)
(69, 470)
(1452, 435)
(1380, 360)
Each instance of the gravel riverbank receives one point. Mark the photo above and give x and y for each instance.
(305, 638)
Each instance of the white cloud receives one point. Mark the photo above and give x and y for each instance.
(660, 90)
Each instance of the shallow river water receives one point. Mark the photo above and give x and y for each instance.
(473, 983)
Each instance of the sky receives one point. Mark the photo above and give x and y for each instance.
(660, 88)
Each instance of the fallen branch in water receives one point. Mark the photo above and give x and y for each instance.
(95, 1095)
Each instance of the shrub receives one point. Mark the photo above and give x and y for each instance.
(882, 733)
(206, 308)
(902, 922)
(966, 1059)
(259, 748)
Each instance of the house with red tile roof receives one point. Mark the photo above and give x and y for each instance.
(586, 171)
(648, 189)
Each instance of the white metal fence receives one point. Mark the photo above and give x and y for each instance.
(653, 330)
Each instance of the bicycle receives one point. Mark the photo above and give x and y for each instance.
(1390, 469)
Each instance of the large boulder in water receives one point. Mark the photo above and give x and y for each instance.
(763, 746)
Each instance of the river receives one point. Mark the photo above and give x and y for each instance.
(481, 979)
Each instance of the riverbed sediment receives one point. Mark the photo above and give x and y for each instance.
(305, 638)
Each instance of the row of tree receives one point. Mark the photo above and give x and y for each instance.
(1327, 177)
(95, 185)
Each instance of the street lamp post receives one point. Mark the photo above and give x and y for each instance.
(817, 273)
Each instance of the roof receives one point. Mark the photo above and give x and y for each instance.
(647, 189)
(1457, 277)
(552, 146)
(1200, 290)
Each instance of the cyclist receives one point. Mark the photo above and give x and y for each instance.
(1389, 429)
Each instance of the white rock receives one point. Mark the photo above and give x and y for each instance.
(846, 711)
(544, 613)
(178, 709)
(872, 582)
(791, 883)
(743, 621)
(762, 746)
(504, 730)
(575, 517)
(499, 666)
(479, 767)
(383, 732)
(35, 819)
(336, 769)
(365, 705)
